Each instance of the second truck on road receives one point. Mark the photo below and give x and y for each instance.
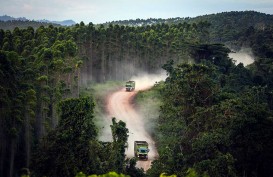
(130, 86)
(141, 150)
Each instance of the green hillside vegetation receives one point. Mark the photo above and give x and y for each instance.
(225, 26)
(216, 117)
(12, 24)
(229, 26)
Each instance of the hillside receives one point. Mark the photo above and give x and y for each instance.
(225, 26)
(9, 18)
(228, 26)
(9, 23)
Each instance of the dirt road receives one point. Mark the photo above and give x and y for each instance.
(121, 107)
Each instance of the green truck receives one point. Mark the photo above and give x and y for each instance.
(130, 86)
(141, 150)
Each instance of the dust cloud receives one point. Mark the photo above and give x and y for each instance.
(105, 134)
(244, 56)
(145, 81)
(120, 106)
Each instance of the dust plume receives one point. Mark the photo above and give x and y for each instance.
(105, 134)
(244, 56)
(144, 80)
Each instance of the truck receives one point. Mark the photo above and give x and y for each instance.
(130, 86)
(141, 150)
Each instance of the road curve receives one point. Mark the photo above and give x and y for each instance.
(120, 106)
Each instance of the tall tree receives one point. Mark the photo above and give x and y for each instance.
(120, 136)
(67, 149)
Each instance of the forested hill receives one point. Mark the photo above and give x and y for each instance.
(225, 26)
(228, 26)
(9, 23)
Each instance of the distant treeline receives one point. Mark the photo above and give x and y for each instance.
(23, 24)
(225, 26)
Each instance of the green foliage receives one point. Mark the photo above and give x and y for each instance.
(73, 146)
(68, 147)
(132, 170)
(110, 174)
(11, 25)
(223, 27)
(164, 175)
(205, 125)
(120, 137)
(192, 173)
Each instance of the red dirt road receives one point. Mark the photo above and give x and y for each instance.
(120, 106)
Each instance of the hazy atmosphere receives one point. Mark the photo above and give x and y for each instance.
(100, 11)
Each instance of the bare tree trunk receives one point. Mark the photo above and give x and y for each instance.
(116, 70)
(43, 118)
(78, 83)
(27, 138)
(103, 63)
(12, 155)
(54, 115)
(90, 66)
(2, 148)
(38, 122)
(69, 81)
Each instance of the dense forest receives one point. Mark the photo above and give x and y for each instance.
(225, 26)
(216, 116)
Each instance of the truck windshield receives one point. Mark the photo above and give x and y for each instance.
(142, 150)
